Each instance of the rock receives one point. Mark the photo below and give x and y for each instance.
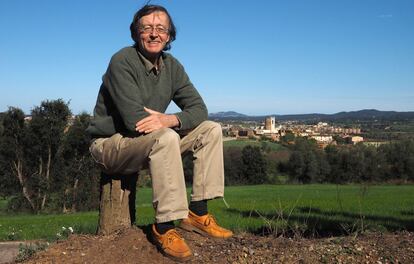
(251, 251)
(311, 248)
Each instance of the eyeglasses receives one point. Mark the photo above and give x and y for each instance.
(149, 29)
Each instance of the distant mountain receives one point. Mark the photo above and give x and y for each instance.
(361, 115)
(373, 114)
(228, 114)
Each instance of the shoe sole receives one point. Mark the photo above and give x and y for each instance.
(172, 257)
(191, 228)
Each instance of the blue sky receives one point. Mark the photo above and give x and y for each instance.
(254, 57)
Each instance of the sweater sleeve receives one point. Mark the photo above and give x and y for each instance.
(120, 80)
(187, 98)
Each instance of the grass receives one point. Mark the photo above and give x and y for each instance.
(319, 209)
(306, 209)
(28, 227)
(241, 143)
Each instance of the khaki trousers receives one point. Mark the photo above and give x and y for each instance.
(162, 151)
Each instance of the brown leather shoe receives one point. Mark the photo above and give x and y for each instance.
(204, 225)
(172, 245)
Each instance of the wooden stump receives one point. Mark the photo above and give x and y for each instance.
(117, 202)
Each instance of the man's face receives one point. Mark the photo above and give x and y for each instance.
(153, 34)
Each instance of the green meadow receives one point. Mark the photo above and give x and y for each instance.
(307, 210)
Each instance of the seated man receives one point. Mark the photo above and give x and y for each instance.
(130, 128)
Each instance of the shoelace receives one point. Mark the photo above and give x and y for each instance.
(173, 235)
(210, 219)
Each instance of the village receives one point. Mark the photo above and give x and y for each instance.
(323, 133)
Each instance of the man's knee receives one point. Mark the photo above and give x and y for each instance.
(214, 128)
(167, 137)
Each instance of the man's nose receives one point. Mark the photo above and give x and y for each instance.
(154, 33)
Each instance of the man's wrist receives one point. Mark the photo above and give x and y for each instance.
(175, 122)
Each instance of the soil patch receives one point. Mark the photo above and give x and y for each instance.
(10, 249)
(132, 246)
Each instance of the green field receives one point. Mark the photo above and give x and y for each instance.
(241, 143)
(315, 210)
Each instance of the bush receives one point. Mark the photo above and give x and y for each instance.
(18, 204)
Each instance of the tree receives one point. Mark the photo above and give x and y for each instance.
(324, 168)
(30, 149)
(339, 140)
(336, 158)
(305, 161)
(49, 120)
(296, 165)
(265, 146)
(9, 184)
(79, 181)
(1, 123)
(274, 161)
(354, 163)
(400, 159)
(288, 137)
(14, 151)
(375, 165)
(311, 167)
(233, 166)
(254, 165)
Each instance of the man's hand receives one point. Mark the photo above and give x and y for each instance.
(155, 121)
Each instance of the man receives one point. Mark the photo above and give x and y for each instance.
(131, 129)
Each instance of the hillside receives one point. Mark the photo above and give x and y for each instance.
(361, 115)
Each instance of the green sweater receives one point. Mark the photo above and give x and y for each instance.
(127, 86)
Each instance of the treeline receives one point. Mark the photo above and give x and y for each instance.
(354, 163)
(44, 162)
(45, 165)
(253, 164)
(305, 162)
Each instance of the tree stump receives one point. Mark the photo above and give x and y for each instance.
(117, 202)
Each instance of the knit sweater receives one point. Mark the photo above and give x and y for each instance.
(127, 86)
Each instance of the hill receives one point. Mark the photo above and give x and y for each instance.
(228, 114)
(361, 115)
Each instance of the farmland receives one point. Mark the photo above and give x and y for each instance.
(309, 210)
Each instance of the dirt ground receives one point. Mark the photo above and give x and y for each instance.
(132, 246)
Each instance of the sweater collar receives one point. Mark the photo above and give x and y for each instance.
(149, 67)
